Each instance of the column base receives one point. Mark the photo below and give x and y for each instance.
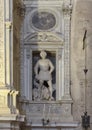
(8, 101)
(5, 110)
(11, 122)
(50, 126)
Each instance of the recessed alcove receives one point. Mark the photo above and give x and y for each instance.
(35, 57)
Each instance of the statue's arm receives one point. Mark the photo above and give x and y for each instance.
(36, 68)
(51, 66)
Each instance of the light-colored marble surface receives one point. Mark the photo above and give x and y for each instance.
(70, 62)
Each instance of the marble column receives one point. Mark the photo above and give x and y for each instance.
(2, 54)
(4, 57)
(67, 22)
(8, 43)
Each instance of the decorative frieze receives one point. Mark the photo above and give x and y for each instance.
(43, 37)
(54, 111)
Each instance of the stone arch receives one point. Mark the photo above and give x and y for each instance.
(43, 37)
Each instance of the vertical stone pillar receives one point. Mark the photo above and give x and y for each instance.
(66, 52)
(67, 16)
(2, 53)
(8, 43)
(3, 42)
(6, 58)
(28, 75)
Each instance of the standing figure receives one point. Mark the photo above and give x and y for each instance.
(43, 70)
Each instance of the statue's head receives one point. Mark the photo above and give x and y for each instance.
(43, 54)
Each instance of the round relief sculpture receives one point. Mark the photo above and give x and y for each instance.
(43, 20)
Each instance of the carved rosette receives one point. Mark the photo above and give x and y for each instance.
(67, 9)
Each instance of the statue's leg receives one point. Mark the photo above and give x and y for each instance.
(41, 84)
(50, 87)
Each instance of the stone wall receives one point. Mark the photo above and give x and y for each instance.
(81, 20)
(17, 20)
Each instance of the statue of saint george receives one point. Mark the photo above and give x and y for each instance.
(43, 70)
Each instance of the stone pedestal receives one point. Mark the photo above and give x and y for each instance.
(4, 106)
(10, 122)
(9, 114)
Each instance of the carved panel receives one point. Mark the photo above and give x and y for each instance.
(44, 109)
(43, 20)
(55, 112)
(43, 37)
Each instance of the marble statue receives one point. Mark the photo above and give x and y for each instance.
(40, 92)
(43, 70)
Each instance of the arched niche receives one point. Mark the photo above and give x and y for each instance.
(32, 45)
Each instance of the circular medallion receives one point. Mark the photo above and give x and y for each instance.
(43, 20)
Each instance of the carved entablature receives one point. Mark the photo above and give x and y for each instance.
(43, 37)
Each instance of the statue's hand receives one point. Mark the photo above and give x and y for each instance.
(50, 72)
(36, 76)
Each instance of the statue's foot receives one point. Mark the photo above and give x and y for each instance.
(51, 98)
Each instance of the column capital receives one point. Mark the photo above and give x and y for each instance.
(67, 9)
(8, 24)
